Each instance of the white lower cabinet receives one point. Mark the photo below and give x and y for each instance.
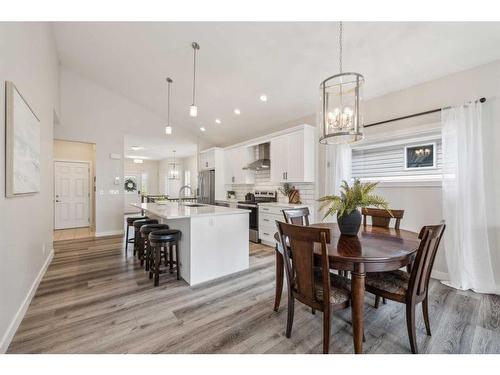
(269, 213)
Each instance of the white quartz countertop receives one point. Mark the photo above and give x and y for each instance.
(278, 204)
(179, 211)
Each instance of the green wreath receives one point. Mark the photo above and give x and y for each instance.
(130, 185)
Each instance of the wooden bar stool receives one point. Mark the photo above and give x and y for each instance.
(145, 230)
(130, 223)
(166, 240)
(137, 234)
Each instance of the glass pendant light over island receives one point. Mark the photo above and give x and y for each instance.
(193, 109)
(168, 128)
(340, 114)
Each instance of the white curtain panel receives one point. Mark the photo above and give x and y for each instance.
(338, 168)
(471, 206)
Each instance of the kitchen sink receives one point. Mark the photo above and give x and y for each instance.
(193, 204)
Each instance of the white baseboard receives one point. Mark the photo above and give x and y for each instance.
(109, 233)
(439, 275)
(14, 324)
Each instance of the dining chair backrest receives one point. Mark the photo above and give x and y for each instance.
(430, 237)
(297, 216)
(382, 217)
(301, 271)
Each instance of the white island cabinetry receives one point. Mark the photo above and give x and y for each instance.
(214, 241)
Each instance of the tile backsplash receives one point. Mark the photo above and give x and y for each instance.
(263, 182)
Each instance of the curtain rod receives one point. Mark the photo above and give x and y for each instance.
(482, 100)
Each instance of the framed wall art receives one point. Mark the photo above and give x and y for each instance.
(22, 145)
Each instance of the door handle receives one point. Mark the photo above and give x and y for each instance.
(57, 201)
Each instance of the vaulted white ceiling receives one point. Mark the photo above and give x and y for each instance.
(157, 148)
(238, 62)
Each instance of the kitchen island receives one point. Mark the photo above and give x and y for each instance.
(214, 241)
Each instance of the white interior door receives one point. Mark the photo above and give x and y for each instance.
(72, 196)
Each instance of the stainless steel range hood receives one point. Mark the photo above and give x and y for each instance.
(263, 161)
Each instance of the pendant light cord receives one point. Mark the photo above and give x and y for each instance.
(169, 81)
(340, 46)
(194, 71)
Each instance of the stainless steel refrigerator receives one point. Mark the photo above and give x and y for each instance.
(206, 187)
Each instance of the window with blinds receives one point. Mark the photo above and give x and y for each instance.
(389, 162)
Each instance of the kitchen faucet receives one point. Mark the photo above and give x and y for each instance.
(181, 190)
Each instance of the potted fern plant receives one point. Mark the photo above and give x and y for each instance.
(347, 205)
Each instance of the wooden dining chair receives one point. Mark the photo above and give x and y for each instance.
(312, 285)
(297, 216)
(411, 288)
(381, 218)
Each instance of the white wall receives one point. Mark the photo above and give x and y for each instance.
(29, 59)
(151, 168)
(92, 113)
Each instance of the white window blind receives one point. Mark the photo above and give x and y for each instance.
(387, 162)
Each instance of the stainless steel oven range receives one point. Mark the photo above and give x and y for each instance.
(251, 203)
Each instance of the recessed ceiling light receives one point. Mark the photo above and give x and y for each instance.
(202, 129)
(136, 148)
(263, 98)
(237, 111)
(218, 121)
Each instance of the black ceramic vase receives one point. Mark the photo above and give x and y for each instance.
(349, 224)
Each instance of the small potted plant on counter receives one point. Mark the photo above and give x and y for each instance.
(347, 205)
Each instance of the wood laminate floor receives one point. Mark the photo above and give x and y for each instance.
(73, 233)
(93, 299)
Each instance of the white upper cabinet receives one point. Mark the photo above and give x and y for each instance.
(292, 156)
(235, 160)
(207, 159)
(279, 149)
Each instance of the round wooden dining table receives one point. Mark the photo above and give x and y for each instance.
(374, 249)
